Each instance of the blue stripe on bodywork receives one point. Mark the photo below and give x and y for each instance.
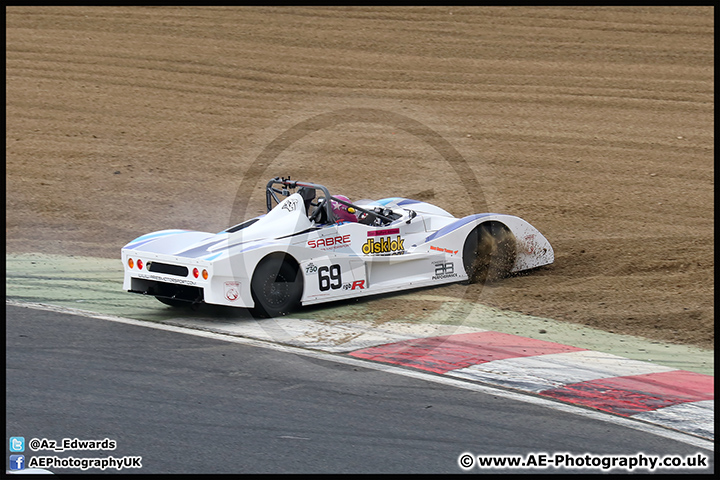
(400, 201)
(152, 236)
(454, 226)
(213, 257)
(252, 247)
(385, 201)
(201, 250)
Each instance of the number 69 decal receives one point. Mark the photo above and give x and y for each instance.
(329, 277)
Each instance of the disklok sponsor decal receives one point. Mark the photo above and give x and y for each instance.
(383, 245)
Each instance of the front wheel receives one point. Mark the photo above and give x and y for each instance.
(489, 252)
(276, 286)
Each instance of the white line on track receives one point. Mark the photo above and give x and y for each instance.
(332, 357)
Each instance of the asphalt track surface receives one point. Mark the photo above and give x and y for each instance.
(187, 404)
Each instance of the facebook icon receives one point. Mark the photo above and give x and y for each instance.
(17, 462)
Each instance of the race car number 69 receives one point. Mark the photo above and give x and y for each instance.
(326, 274)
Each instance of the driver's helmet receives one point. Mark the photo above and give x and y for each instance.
(341, 211)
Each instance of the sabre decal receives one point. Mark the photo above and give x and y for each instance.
(335, 242)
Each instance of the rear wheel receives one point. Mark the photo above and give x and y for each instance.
(276, 286)
(489, 252)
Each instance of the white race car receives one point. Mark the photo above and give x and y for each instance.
(312, 247)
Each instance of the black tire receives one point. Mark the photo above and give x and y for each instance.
(276, 286)
(489, 252)
(174, 303)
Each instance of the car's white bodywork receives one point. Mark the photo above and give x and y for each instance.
(421, 246)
